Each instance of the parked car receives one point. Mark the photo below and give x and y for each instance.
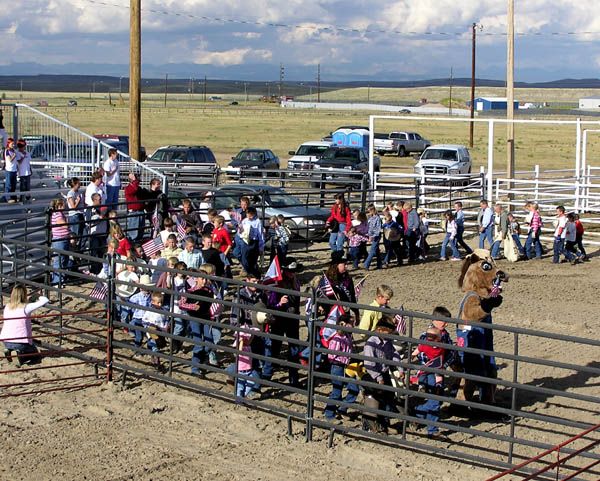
(184, 154)
(252, 159)
(347, 158)
(444, 159)
(45, 147)
(307, 154)
(119, 142)
(400, 143)
(304, 222)
(72, 103)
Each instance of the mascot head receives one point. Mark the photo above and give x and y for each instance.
(480, 274)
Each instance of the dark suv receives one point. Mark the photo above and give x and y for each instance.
(184, 154)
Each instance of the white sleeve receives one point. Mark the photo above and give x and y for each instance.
(32, 306)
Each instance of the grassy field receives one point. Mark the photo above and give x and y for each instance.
(228, 128)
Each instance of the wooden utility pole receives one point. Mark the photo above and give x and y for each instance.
(166, 88)
(319, 83)
(135, 67)
(473, 46)
(204, 93)
(451, 81)
(510, 107)
(281, 77)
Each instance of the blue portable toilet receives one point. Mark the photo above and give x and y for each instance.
(340, 137)
(351, 138)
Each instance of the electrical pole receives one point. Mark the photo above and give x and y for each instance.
(473, 49)
(135, 66)
(450, 102)
(319, 83)
(510, 80)
(204, 96)
(281, 77)
(166, 88)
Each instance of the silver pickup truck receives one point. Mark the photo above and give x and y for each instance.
(399, 143)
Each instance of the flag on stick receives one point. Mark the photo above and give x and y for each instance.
(99, 291)
(181, 226)
(326, 287)
(400, 321)
(153, 246)
(359, 286)
(273, 273)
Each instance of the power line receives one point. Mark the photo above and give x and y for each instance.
(344, 29)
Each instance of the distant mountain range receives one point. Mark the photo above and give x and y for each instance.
(60, 82)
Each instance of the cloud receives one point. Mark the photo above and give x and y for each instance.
(60, 31)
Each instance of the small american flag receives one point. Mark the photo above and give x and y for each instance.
(215, 310)
(181, 225)
(99, 291)
(153, 246)
(155, 220)
(359, 286)
(400, 321)
(326, 286)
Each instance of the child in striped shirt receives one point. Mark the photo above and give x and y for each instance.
(342, 342)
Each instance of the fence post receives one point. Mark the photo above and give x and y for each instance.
(417, 189)
(110, 315)
(536, 171)
(310, 403)
(513, 402)
(48, 253)
(363, 195)
(15, 122)
(407, 377)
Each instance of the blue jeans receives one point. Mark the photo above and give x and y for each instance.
(125, 312)
(112, 196)
(25, 186)
(249, 256)
(495, 249)
(135, 225)
(354, 254)
(137, 334)
(244, 387)
(535, 240)
(452, 242)
(517, 241)
(30, 353)
(336, 239)
(77, 226)
(374, 252)
(10, 184)
(486, 234)
(60, 261)
(559, 248)
(336, 393)
(430, 409)
(460, 230)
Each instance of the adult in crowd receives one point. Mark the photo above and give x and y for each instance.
(16, 331)
(112, 179)
(190, 216)
(75, 204)
(94, 187)
(338, 223)
(341, 282)
(151, 198)
(500, 223)
(485, 221)
(282, 325)
(135, 208)
(24, 169)
(413, 231)
(252, 240)
(459, 217)
(10, 170)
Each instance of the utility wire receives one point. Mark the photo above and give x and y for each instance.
(342, 29)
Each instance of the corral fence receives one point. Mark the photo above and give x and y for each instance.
(206, 357)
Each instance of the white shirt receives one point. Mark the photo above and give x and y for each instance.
(115, 179)
(24, 164)
(561, 223)
(92, 189)
(10, 165)
(72, 194)
(528, 218)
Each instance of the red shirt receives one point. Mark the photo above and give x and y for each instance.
(431, 351)
(342, 218)
(124, 247)
(405, 218)
(131, 196)
(579, 230)
(221, 236)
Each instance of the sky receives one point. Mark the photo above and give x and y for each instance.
(350, 39)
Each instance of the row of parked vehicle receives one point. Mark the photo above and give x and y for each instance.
(346, 148)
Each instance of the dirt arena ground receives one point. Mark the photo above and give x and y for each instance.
(149, 431)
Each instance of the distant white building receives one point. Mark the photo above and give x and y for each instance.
(587, 103)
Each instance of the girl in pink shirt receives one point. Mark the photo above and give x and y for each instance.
(16, 330)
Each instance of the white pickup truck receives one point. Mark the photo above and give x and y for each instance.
(444, 159)
(399, 143)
